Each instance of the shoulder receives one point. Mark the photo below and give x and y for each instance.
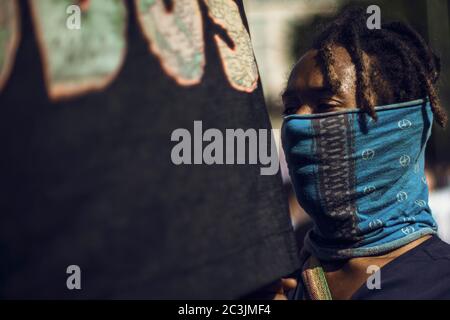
(437, 249)
(421, 273)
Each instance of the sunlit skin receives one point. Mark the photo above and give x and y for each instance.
(280, 288)
(307, 93)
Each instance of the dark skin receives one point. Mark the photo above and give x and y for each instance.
(307, 93)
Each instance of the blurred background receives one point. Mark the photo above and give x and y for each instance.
(283, 30)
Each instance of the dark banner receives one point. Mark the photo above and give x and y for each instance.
(88, 187)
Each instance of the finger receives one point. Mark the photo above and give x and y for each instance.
(279, 296)
(289, 283)
(275, 287)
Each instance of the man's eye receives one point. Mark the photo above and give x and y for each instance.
(326, 107)
(291, 106)
(290, 110)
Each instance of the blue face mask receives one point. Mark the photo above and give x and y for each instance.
(362, 182)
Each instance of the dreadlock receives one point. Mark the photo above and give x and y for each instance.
(401, 65)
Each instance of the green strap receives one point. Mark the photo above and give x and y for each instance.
(315, 281)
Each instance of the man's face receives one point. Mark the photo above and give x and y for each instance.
(307, 91)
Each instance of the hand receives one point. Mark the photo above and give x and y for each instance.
(282, 286)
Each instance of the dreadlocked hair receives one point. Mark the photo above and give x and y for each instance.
(401, 66)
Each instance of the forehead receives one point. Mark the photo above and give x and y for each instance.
(307, 74)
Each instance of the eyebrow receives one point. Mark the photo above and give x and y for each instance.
(322, 91)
